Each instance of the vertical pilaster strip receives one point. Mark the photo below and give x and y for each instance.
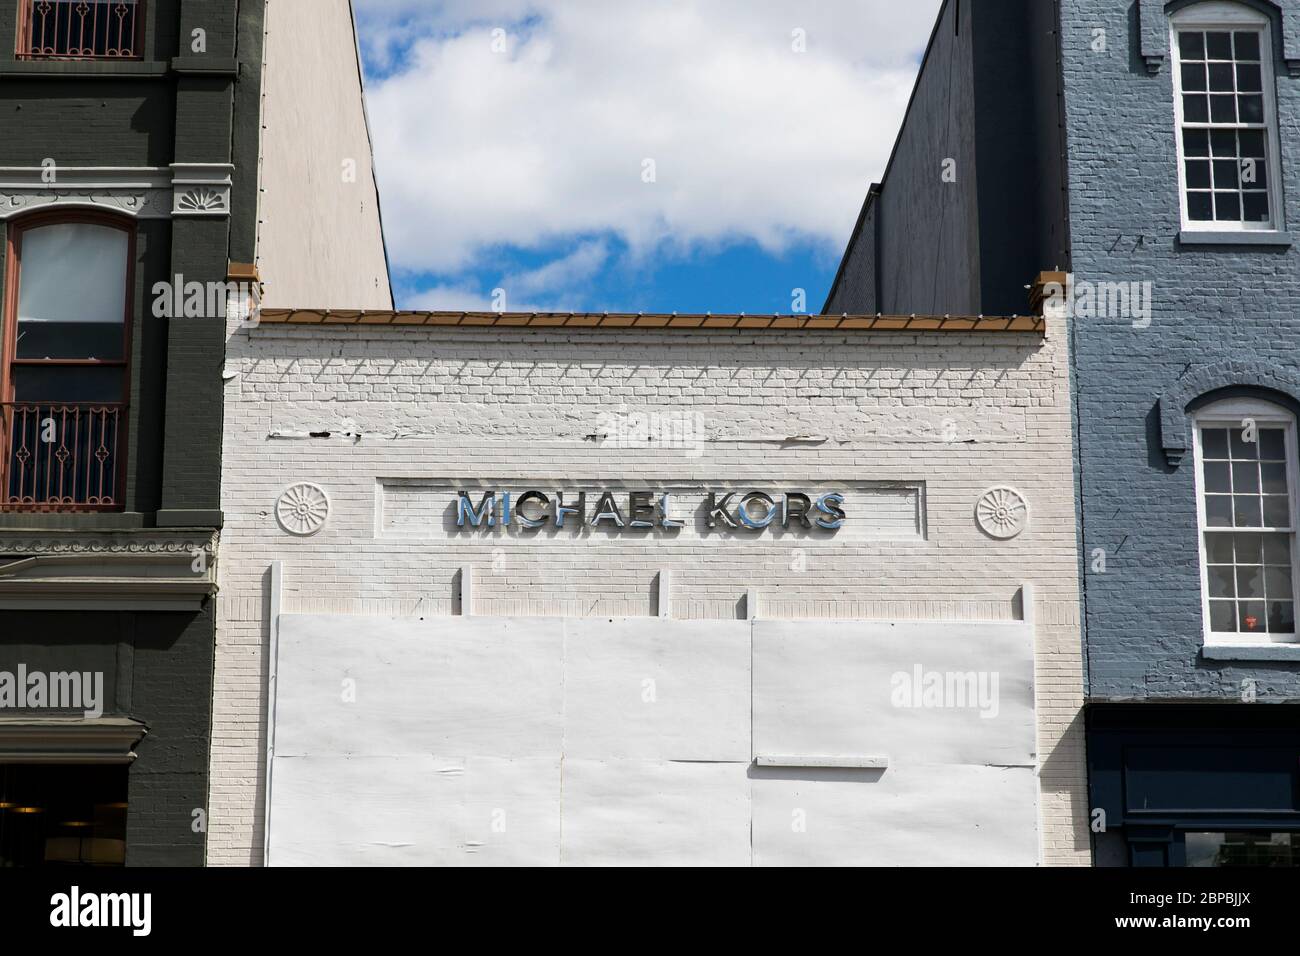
(205, 83)
(276, 603)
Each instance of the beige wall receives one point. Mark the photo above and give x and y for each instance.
(319, 238)
(956, 413)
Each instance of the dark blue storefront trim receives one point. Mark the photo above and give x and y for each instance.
(1159, 771)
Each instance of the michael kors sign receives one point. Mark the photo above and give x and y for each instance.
(638, 510)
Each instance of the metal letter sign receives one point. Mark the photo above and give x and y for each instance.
(647, 510)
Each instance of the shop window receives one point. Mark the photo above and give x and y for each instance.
(62, 815)
(63, 380)
(80, 29)
(1244, 848)
(1226, 116)
(1245, 464)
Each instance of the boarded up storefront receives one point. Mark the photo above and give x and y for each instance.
(624, 591)
(604, 741)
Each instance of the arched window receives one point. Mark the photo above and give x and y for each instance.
(1226, 109)
(1246, 490)
(63, 382)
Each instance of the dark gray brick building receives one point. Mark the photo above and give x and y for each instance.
(136, 175)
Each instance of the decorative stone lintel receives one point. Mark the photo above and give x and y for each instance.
(1175, 432)
(143, 192)
(107, 572)
(59, 542)
(1153, 26)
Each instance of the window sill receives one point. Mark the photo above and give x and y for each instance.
(1266, 651)
(1193, 237)
(204, 66)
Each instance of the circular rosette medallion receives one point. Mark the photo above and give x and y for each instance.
(1002, 512)
(302, 508)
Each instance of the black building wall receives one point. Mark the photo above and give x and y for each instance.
(986, 107)
(157, 669)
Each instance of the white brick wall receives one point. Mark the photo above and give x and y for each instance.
(956, 412)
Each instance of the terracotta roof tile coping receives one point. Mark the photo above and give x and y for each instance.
(627, 320)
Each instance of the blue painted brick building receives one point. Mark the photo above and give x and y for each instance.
(1150, 152)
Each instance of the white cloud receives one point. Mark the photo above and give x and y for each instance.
(546, 142)
(448, 298)
(548, 288)
(560, 274)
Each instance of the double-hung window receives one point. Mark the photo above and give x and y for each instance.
(1246, 490)
(1226, 113)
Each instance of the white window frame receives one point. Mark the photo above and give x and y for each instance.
(1229, 413)
(1220, 16)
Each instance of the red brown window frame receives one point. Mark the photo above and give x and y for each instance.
(9, 340)
(23, 50)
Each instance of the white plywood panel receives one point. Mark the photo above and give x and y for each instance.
(657, 689)
(506, 812)
(918, 816)
(452, 685)
(655, 813)
(414, 810)
(351, 811)
(533, 741)
(851, 688)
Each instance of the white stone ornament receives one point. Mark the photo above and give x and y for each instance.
(302, 508)
(143, 192)
(201, 189)
(200, 199)
(1002, 512)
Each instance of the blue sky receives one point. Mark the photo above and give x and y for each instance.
(574, 155)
